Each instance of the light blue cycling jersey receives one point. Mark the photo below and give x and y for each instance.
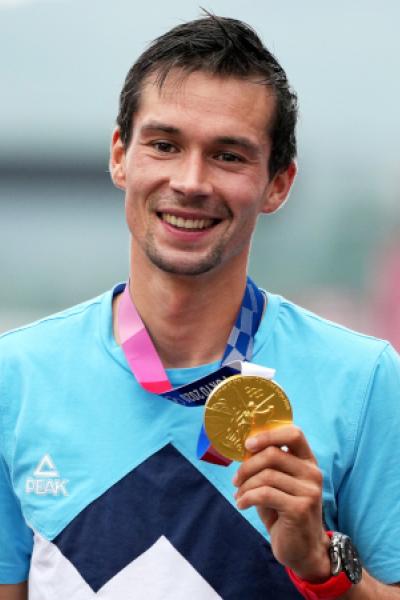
(101, 493)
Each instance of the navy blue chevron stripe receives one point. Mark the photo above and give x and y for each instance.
(166, 495)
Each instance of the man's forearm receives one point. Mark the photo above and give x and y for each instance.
(14, 592)
(372, 589)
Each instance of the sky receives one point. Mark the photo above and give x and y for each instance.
(64, 62)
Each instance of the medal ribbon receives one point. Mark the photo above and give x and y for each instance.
(146, 365)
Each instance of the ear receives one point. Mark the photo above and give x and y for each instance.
(117, 164)
(278, 189)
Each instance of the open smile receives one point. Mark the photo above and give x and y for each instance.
(187, 224)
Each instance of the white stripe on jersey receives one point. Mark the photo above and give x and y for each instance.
(160, 573)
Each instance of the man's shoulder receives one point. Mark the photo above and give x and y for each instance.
(52, 330)
(328, 337)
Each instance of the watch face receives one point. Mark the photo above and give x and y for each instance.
(334, 551)
(351, 563)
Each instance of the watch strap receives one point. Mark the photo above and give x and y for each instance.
(330, 589)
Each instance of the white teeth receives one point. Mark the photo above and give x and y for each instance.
(186, 223)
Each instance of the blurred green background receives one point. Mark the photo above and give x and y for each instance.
(335, 246)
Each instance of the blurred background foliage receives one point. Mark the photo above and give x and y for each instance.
(335, 246)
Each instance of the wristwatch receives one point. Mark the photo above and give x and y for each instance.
(344, 557)
(346, 571)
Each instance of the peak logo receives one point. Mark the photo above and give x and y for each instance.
(46, 480)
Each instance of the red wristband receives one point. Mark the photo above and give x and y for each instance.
(330, 589)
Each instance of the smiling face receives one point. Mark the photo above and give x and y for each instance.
(195, 173)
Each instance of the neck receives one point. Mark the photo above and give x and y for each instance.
(188, 318)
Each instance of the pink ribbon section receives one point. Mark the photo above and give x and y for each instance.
(139, 349)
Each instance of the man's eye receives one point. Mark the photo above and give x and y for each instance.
(228, 157)
(164, 147)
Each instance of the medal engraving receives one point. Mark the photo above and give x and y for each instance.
(241, 406)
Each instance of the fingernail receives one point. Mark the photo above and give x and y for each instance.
(251, 443)
(235, 479)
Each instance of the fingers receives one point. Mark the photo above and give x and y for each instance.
(281, 493)
(265, 496)
(287, 435)
(298, 461)
(279, 480)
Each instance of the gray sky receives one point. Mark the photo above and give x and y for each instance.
(63, 63)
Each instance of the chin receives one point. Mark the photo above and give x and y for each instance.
(185, 268)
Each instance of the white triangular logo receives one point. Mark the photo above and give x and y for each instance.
(46, 468)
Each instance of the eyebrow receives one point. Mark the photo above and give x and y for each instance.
(239, 141)
(158, 126)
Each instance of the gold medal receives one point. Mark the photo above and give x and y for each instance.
(242, 406)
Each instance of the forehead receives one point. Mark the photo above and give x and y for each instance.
(232, 104)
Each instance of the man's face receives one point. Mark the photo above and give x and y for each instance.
(196, 171)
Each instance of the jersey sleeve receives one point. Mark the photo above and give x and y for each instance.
(369, 497)
(16, 538)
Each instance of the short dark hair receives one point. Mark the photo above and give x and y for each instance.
(220, 46)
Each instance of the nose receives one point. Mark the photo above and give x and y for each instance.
(191, 177)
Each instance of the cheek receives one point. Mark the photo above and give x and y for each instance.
(142, 184)
(138, 202)
(243, 192)
(137, 191)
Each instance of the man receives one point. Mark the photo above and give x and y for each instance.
(102, 471)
